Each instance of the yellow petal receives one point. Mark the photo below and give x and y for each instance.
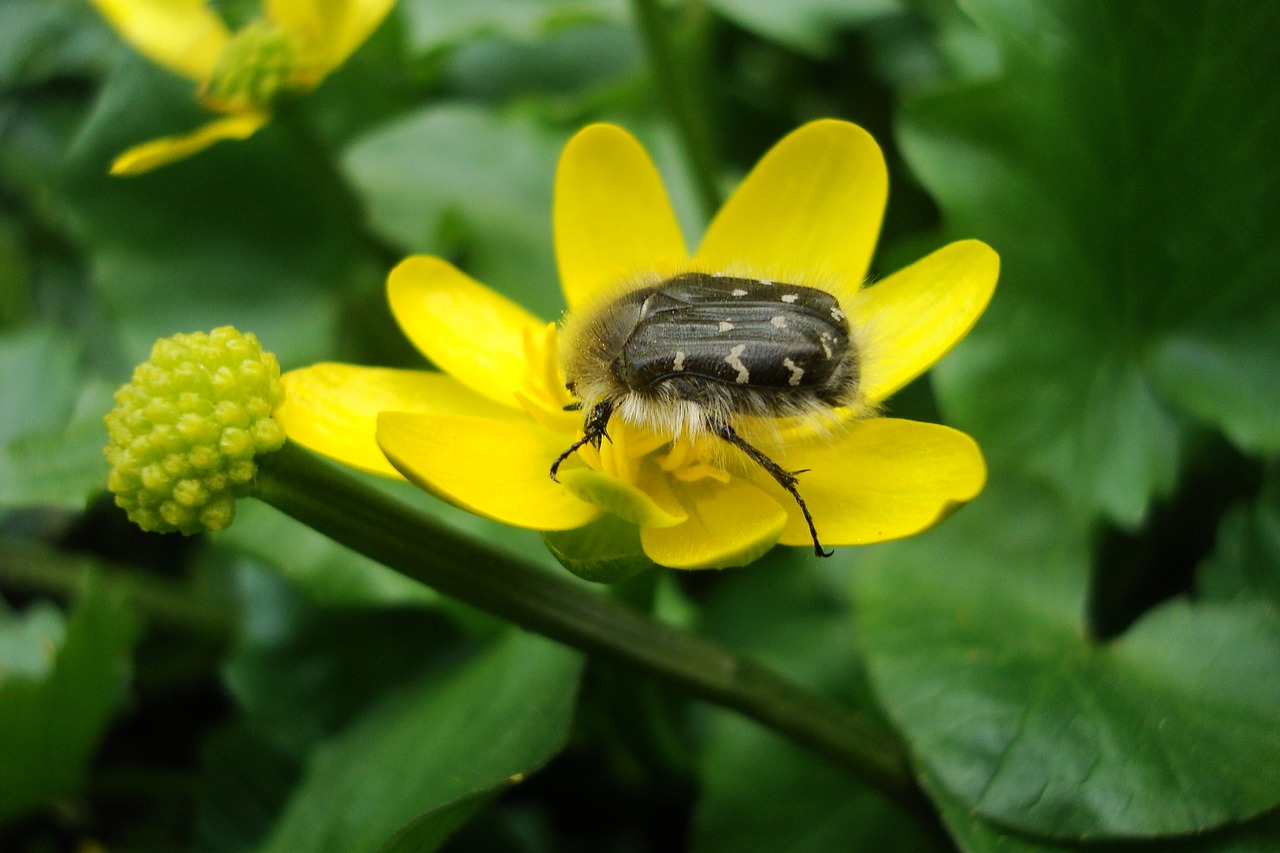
(915, 316)
(499, 469)
(163, 151)
(335, 28)
(464, 327)
(809, 212)
(729, 524)
(333, 408)
(612, 218)
(184, 36)
(883, 478)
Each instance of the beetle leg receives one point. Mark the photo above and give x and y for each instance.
(592, 433)
(786, 479)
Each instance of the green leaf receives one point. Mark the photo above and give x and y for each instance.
(302, 672)
(758, 791)
(431, 829)
(434, 24)
(39, 376)
(809, 26)
(63, 467)
(570, 68)
(51, 428)
(1131, 226)
(465, 183)
(605, 551)
(498, 717)
(1225, 374)
(976, 644)
(256, 234)
(1245, 564)
(45, 39)
(59, 687)
(975, 835)
(245, 780)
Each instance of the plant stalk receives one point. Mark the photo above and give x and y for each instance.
(333, 502)
(678, 87)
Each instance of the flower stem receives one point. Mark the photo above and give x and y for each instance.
(674, 79)
(420, 547)
(35, 567)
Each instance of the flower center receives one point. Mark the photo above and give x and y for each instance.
(260, 61)
(545, 397)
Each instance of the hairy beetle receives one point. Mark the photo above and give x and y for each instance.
(700, 352)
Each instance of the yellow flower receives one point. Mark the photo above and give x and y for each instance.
(483, 433)
(292, 47)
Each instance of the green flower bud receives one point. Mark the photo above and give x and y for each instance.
(260, 61)
(186, 429)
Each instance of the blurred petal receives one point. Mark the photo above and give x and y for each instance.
(810, 211)
(618, 497)
(612, 218)
(495, 468)
(333, 408)
(163, 151)
(465, 328)
(729, 524)
(882, 479)
(917, 315)
(184, 36)
(335, 27)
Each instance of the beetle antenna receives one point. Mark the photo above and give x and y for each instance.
(786, 479)
(593, 432)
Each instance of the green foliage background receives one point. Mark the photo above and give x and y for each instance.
(1088, 657)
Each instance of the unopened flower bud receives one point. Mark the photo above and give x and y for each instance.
(187, 427)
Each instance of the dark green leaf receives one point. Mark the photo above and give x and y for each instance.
(257, 233)
(1123, 166)
(566, 66)
(976, 643)
(59, 688)
(1245, 564)
(975, 835)
(501, 715)
(467, 184)
(431, 829)
(302, 672)
(245, 780)
(48, 38)
(809, 26)
(63, 467)
(434, 24)
(39, 376)
(758, 791)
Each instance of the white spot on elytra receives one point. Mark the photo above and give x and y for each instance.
(734, 360)
(726, 326)
(790, 297)
(826, 346)
(678, 363)
(778, 322)
(738, 292)
(766, 281)
(796, 371)
(837, 313)
(717, 275)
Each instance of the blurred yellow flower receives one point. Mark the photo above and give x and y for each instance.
(483, 432)
(292, 47)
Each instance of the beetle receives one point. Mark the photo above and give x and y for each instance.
(700, 353)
